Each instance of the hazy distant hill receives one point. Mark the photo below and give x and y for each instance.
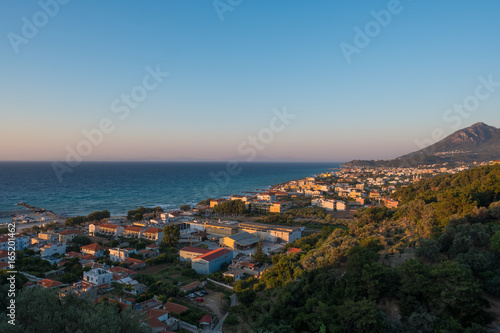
(479, 142)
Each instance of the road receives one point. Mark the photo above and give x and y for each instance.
(218, 328)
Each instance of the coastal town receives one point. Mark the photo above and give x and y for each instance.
(179, 269)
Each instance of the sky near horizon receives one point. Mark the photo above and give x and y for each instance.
(358, 79)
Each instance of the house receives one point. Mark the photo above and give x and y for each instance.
(215, 202)
(192, 286)
(174, 308)
(240, 241)
(93, 249)
(279, 207)
(269, 197)
(206, 322)
(121, 270)
(132, 286)
(212, 261)
(389, 203)
(160, 321)
(235, 274)
(153, 234)
(153, 247)
(49, 284)
(340, 205)
(49, 236)
(98, 277)
(188, 253)
(135, 263)
(133, 231)
(68, 235)
(117, 254)
(106, 228)
(53, 249)
(22, 242)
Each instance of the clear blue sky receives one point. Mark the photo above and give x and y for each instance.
(227, 76)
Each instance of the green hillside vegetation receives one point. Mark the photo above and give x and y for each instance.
(421, 268)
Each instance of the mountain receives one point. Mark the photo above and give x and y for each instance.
(477, 143)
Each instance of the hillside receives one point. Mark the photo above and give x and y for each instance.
(477, 143)
(432, 265)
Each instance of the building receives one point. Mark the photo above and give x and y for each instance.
(212, 261)
(215, 202)
(118, 255)
(68, 235)
(269, 197)
(22, 242)
(206, 322)
(279, 207)
(188, 253)
(221, 229)
(49, 284)
(389, 203)
(98, 277)
(53, 249)
(48, 236)
(272, 233)
(106, 228)
(154, 234)
(340, 205)
(240, 241)
(133, 231)
(93, 249)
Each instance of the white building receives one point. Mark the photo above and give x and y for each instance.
(53, 249)
(98, 276)
(118, 255)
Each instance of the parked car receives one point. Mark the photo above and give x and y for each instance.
(204, 292)
(199, 293)
(192, 295)
(199, 299)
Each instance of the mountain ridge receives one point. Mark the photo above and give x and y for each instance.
(477, 143)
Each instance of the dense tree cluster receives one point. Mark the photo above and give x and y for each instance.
(348, 279)
(138, 214)
(230, 207)
(41, 310)
(95, 216)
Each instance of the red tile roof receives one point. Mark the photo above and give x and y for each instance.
(293, 250)
(153, 231)
(92, 247)
(47, 283)
(214, 254)
(119, 269)
(175, 308)
(73, 254)
(195, 250)
(206, 319)
(4, 254)
(133, 228)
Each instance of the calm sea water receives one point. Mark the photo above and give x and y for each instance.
(121, 186)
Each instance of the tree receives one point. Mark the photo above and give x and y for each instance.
(259, 255)
(171, 235)
(185, 208)
(41, 310)
(495, 242)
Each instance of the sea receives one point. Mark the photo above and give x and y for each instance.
(122, 186)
